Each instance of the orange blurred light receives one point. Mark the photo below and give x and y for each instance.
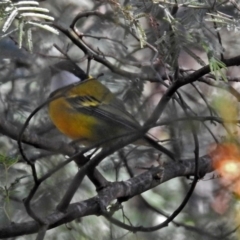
(229, 169)
(226, 160)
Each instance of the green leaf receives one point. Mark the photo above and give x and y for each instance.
(216, 67)
(7, 161)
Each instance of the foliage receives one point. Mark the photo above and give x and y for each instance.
(22, 11)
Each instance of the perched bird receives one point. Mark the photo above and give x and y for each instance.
(87, 111)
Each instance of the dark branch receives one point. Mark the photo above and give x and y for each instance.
(124, 190)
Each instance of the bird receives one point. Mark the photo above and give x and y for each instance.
(85, 110)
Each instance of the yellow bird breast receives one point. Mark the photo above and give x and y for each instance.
(70, 122)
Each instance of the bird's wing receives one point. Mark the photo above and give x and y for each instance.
(112, 111)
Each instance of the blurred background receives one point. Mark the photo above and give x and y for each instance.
(160, 39)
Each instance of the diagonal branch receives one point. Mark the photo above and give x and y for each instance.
(124, 190)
